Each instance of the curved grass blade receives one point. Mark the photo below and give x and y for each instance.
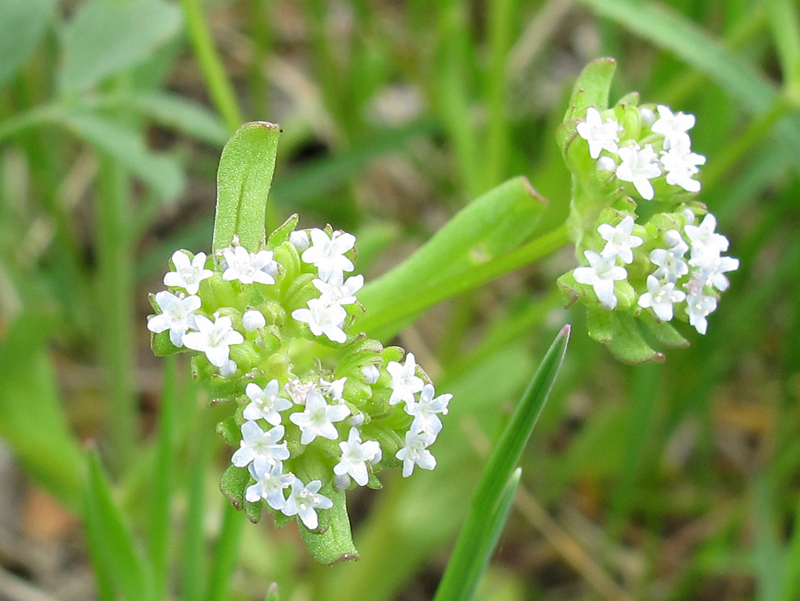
(487, 511)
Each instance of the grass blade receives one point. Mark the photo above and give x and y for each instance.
(486, 505)
(224, 563)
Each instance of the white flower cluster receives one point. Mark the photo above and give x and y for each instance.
(664, 149)
(235, 315)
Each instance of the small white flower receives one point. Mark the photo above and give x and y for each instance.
(698, 307)
(257, 443)
(671, 266)
(601, 275)
(299, 238)
(426, 412)
(355, 454)
(327, 254)
(323, 319)
(266, 404)
(660, 297)
(213, 339)
(711, 268)
(270, 483)
(303, 501)
(318, 417)
(681, 164)
(334, 389)
(253, 320)
(249, 267)
(415, 452)
(229, 369)
(177, 315)
(371, 373)
(639, 166)
(619, 240)
(600, 136)
(704, 239)
(298, 391)
(336, 292)
(188, 274)
(404, 381)
(673, 127)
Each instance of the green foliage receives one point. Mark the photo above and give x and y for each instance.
(22, 24)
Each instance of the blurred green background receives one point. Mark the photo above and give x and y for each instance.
(665, 482)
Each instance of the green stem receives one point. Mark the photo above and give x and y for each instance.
(219, 87)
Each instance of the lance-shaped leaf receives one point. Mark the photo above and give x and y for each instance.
(243, 182)
(332, 541)
(592, 87)
(22, 24)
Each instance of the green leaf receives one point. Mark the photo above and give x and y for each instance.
(233, 484)
(332, 541)
(592, 87)
(492, 496)
(32, 420)
(785, 23)
(243, 182)
(230, 431)
(22, 24)
(110, 537)
(161, 173)
(664, 332)
(106, 37)
(627, 343)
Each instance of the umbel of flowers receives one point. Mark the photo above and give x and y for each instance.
(647, 249)
(316, 410)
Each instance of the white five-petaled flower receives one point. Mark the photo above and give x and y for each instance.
(404, 381)
(188, 273)
(355, 454)
(265, 403)
(639, 166)
(177, 315)
(257, 443)
(698, 307)
(323, 319)
(660, 297)
(327, 254)
(304, 501)
(247, 267)
(270, 483)
(681, 164)
(711, 269)
(336, 292)
(671, 266)
(333, 389)
(213, 338)
(599, 134)
(703, 237)
(673, 127)
(318, 417)
(415, 452)
(426, 412)
(619, 239)
(601, 275)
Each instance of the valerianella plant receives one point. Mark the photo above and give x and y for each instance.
(271, 322)
(647, 248)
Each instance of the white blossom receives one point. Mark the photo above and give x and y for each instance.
(304, 500)
(229, 369)
(704, 239)
(298, 391)
(188, 273)
(247, 267)
(327, 253)
(681, 164)
(270, 483)
(639, 166)
(257, 443)
(698, 307)
(711, 268)
(253, 320)
(619, 240)
(660, 297)
(371, 373)
(299, 238)
(177, 315)
(426, 412)
(404, 381)
(355, 454)
(333, 389)
(671, 266)
(601, 275)
(323, 319)
(265, 403)
(647, 115)
(606, 164)
(336, 292)
(415, 452)
(600, 135)
(673, 127)
(318, 417)
(213, 338)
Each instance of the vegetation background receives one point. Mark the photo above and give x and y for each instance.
(665, 482)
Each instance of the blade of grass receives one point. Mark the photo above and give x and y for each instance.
(224, 564)
(791, 575)
(785, 23)
(485, 505)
